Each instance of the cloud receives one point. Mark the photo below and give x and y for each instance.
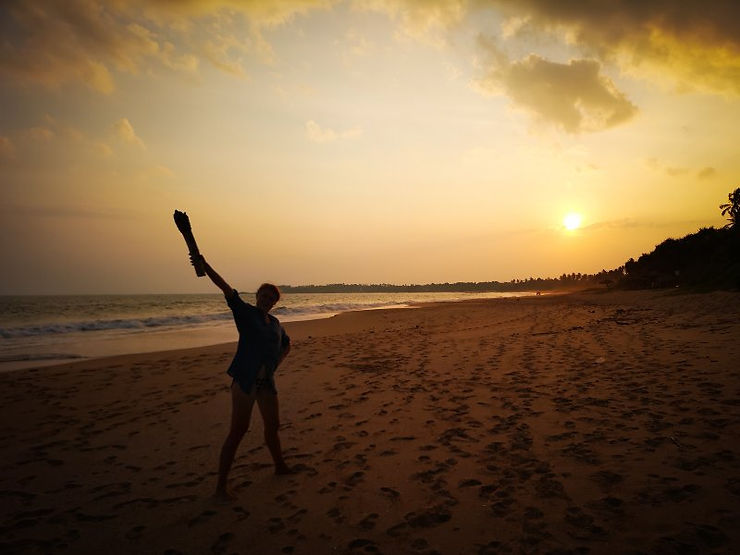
(575, 97)
(420, 19)
(706, 172)
(225, 54)
(7, 148)
(38, 134)
(54, 43)
(156, 175)
(691, 44)
(316, 134)
(652, 163)
(162, 171)
(260, 13)
(72, 212)
(675, 172)
(633, 223)
(125, 132)
(655, 164)
(356, 43)
(694, 43)
(102, 149)
(51, 136)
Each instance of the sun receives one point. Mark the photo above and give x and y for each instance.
(572, 221)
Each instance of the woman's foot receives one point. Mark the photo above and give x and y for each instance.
(224, 497)
(283, 469)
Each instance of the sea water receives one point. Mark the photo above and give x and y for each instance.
(42, 330)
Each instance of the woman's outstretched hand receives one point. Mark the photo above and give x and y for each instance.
(199, 263)
(198, 260)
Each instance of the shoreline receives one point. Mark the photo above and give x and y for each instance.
(583, 422)
(201, 337)
(301, 328)
(79, 346)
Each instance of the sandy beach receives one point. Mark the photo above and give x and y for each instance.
(582, 423)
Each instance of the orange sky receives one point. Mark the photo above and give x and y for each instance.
(357, 141)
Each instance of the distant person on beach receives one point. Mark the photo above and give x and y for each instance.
(263, 344)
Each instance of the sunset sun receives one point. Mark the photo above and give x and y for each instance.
(572, 221)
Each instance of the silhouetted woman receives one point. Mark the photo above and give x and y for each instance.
(263, 344)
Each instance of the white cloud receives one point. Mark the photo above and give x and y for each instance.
(575, 96)
(677, 171)
(7, 148)
(356, 43)
(693, 43)
(425, 20)
(56, 43)
(657, 165)
(317, 134)
(162, 171)
(38, 134)
(125, 132)
(102, 149)
(706, 172)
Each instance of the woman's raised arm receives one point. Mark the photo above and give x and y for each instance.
(215, 278)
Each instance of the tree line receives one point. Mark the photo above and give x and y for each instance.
(565, 281)
(706, 259)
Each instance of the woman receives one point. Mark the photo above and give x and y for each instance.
(263, 344)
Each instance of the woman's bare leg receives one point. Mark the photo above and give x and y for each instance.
(270, 410)
(241, 413)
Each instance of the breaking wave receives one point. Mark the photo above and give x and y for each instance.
(181, 321)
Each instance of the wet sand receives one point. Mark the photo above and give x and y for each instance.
(591, 422)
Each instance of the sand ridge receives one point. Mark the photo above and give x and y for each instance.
(602, 423)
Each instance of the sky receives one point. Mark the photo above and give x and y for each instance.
(358, 141)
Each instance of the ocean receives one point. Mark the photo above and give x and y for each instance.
(44, 330)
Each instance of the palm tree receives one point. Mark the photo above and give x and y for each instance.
(732, 209)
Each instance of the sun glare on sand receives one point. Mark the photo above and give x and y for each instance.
(572, 221)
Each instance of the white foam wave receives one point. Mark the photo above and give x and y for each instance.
(114, 324)
(20, 357)
(178, 321)
(284, 312)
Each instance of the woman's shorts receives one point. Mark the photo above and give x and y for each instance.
(264, 383)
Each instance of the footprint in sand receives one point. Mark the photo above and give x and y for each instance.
(695, 538)
(582, 523)
(275, 525)
(363, 544)
(202, 517)
(607, 479)
(547, 487)
(428, 518)
(328, 488)
(336, 514)
(369, 521)
(283, 497)
(135, 533)
(222, 543)
(608, 507)
(354, 478)
(390, 492)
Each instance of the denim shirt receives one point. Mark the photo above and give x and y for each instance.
(260, 342)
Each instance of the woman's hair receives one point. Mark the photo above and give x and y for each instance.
(270, 287)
